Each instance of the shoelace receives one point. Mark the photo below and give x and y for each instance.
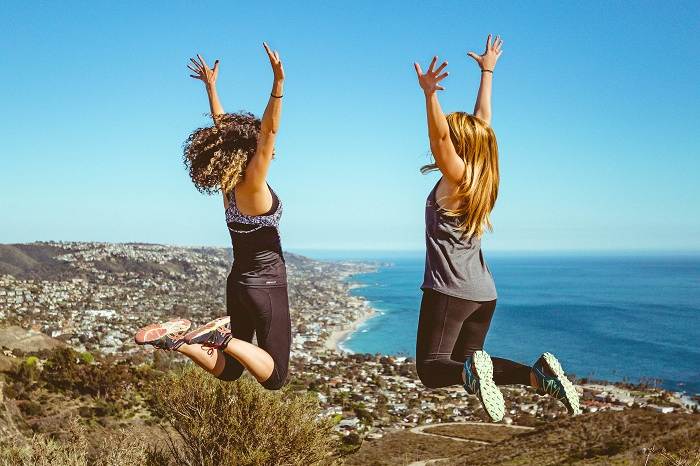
(211, 339)
(552, 388)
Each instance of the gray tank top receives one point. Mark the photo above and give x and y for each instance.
(454, 265)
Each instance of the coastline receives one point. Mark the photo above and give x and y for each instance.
(339, 336)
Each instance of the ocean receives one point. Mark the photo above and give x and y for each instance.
(616, 317)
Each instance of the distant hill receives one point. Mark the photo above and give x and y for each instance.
(33, 261)
(39, 261)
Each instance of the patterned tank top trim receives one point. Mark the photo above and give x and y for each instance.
(233, 215)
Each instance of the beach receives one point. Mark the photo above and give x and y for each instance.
(337, 337)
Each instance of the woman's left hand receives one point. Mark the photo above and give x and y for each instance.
(488, 59)
(275, 62)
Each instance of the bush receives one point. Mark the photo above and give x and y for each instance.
(41, 450)
(122, 449)
(31, 408)
(240, 422)
(27, 372)
(87, 358)
(68, 370)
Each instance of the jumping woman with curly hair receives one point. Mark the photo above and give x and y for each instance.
(459, 294)
(233, 157)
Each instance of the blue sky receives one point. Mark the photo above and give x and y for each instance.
(596, 107)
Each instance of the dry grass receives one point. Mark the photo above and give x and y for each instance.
(600, 438)
(120, 448)
(240, 423)
(483, 433)
(401, 448)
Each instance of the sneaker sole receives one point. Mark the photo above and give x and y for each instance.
(154, 332)
(489, 393)
(196, 336)
(572, 404)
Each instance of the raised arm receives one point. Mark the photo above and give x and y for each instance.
(487, 63)
(450, 164)
(208, 77)
(256, 171)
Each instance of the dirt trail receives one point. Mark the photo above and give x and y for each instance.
(420, 430)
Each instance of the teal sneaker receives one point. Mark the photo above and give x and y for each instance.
(478, 377)
(556, 384)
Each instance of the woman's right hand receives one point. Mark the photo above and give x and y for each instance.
(203, 72)
(430, 80)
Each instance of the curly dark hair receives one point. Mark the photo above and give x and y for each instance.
(216, 156)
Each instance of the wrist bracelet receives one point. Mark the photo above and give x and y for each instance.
(276, 96)
(486, 71)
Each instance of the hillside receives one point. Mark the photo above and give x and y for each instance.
(56, 261)
(613, 437)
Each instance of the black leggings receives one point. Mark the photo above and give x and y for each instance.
(265, 313)
(449, 331)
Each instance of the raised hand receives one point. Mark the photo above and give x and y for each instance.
(488, 59)
(275, 62)
(430, 80)
(202, 70)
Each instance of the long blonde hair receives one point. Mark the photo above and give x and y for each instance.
(475, 142)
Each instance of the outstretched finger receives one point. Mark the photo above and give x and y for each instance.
(497, 43)
(474, 56)
(441, 77)
(419, 71)
(441, 67)
(268, 51)
(488, 43)
(277, 56)
(439, 88)
(216, 66)
(195, 76)
(192, 68)
(196, 64)
(204, 64)
(432, 64)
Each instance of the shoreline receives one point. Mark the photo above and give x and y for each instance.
(339, 336)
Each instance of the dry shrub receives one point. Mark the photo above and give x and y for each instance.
(41, 450)
(240, 423)
(121, 448)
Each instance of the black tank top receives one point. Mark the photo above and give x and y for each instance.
(257, 249)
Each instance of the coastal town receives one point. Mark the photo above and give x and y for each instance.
(94, 296)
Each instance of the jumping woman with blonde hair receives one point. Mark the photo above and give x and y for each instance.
(233, 157)
(459, 294)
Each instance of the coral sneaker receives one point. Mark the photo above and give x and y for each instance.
(167, 335)
(552, 381)
(478, 376)
(216, 334)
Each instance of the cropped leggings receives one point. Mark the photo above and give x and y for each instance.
(265, 313)
(451, 329)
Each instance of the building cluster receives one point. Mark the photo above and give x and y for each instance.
(113, 289)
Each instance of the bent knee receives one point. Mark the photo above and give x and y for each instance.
(425, 374)
(274, 383)
(230, 373)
